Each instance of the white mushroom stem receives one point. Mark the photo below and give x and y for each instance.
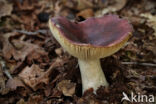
(92, 74)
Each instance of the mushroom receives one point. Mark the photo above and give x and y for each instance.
(89, 41)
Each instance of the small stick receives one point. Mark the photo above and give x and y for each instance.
(5, 68)
(32, 33)
(137, 63)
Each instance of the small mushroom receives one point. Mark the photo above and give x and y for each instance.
(89, 41)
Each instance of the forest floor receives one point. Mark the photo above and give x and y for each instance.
(36, 70)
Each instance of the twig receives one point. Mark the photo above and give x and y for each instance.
(137, 63)
(5, 68)
(32, 33)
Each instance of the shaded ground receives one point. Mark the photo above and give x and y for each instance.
(35, 69)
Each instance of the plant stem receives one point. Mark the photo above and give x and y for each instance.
(91, 74)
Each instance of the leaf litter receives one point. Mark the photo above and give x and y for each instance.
(43, 73)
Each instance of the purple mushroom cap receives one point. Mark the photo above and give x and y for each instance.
(103, 31)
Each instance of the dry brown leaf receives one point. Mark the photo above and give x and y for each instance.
(150, 46)
(66, 87)
(58, 8)
(21, 101)
(94, 4)
(68, 3)
(63, 10)
(136, 20)
(35, 99)
(59, 51)
(83, 4)
(86, 13)
(5, 8)
(116, 6)
(25, 5)
(39, 56)
(30, 16)
(33, 76)
(19, 49)
(12, 84)
(3, 89)
(26, 48)
(151, 21)
(7, 47)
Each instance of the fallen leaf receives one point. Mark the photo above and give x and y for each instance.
(14, 83)
(151, 21)
(68, 3)
(83, 4)
(19, 50)
(33, 76)
(86, 13)
(21, 101)
(39, 56)
(3, 89)
(26, 49)
(25, 4)
(66, 87)
(5, 8)
(7, 47)
(63, 10)
(59, 51)
(35, 99)
(56, 93)
(150, 46)
(115, 6)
